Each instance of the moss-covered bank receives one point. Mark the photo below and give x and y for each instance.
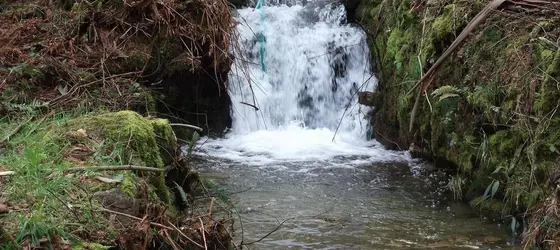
(491, 111)
(81, 85)
(49, 202)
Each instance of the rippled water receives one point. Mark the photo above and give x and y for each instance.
(368, 206)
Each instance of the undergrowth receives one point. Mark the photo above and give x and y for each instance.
(50, 208)
(491, 110)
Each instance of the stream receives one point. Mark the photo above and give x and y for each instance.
(303, 159)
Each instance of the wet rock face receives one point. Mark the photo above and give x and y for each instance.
(351, 6)
(371, 99)
(200, 99)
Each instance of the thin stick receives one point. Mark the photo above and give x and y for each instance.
(115, 168)
(63, 203)
(348, 106)
(203, 233)
(250, 105)
(102, 209)
(182, 234)
(268, 234)
(211, 206)
(170, 240)
(16, 130)
(7, 173)
(186, 125)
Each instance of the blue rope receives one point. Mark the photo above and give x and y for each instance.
(261, 35)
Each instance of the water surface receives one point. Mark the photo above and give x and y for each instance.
(298, 151)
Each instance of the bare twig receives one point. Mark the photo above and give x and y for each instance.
(186, 125)
(63, 203)
(16, 130)
(102, 209)
(250, 105)
(170, 240)
(264, 237)
(203, 233)
(115, 168)
(7, 173)
(182, 234)
(211, 206)
(348, 106)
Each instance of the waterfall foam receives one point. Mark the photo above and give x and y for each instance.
(315, 63)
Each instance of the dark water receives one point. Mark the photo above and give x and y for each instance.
(333, 206)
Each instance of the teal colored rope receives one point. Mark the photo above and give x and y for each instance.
(261, 35)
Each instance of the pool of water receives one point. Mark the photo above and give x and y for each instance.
(329, 205)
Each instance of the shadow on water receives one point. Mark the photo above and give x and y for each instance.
(328, 205)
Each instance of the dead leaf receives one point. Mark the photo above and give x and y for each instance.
(62, 90)
(4, 209)
(81, 132)
(108, 180)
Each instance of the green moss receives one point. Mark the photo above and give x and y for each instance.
(146, 138)
(165, 136)
(505, 141)
(398, 45)
(128, 185)
(89, 246)
(124, 126)
(546, 54)
(446, 23)
(507, 78)
(548, 93)
(492, 207)
(151, 103)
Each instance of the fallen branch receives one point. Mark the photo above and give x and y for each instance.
(427, 79)
(116, 168)
(187, 126)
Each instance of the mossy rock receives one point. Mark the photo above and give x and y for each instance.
(493, 208)
(149, 139)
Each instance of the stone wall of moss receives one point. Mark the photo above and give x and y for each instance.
(491, 110)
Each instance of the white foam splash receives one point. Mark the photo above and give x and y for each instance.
(314, 66)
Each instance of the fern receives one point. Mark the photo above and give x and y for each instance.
(483, 96)
(192, 143)
(446, 91)
(30, 107)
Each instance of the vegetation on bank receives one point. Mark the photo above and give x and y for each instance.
(84, 161)
(491, 109)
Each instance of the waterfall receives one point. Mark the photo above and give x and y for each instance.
(303, 106)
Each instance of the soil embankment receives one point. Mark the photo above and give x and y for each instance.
(87, 159)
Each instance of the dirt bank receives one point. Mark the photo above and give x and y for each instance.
(58, 52)
(490, 111)
(87, 160)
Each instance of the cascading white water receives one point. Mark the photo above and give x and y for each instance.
(314, 66)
